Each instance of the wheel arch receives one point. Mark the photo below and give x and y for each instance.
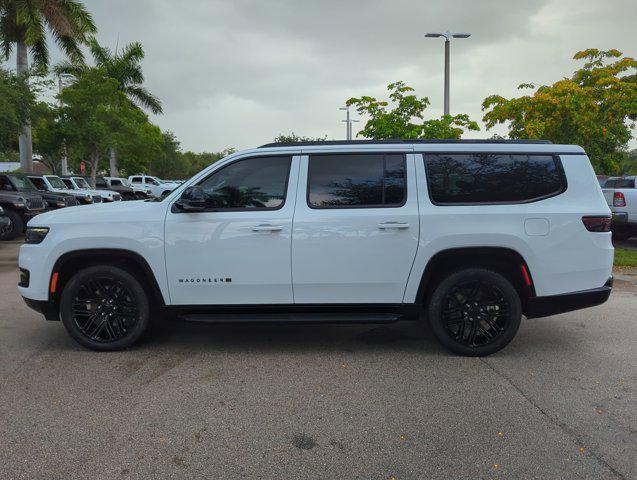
(504, 260)
(133, 262)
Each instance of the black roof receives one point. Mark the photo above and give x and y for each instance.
(406, 140)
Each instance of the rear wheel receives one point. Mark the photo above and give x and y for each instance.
(16, 227)
(475, 312)
(105, 308)
(621, 235)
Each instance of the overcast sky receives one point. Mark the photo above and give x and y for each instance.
(239, 72)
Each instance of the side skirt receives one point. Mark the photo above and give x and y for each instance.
(342, 314)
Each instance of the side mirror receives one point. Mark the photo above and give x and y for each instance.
(193, 199)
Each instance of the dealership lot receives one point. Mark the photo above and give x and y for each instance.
(319, 401)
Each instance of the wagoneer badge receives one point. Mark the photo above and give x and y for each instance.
(205, 280)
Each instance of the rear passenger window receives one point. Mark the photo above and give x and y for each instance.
(356, 180)
(620, 183)
(492, 178)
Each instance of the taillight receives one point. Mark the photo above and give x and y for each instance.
(619, 200)
(597, 224)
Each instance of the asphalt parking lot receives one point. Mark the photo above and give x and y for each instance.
(325, 402)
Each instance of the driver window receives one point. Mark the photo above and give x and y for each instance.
(255, 183)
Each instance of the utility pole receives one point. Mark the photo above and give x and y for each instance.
(64, 164)
(348, 121)
(448, 36)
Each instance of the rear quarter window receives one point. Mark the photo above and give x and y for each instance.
(492, 178)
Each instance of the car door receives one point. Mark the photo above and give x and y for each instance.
(356, 228)
(236, 251)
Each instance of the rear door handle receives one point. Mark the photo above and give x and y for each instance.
(386, 225)
(266, 227)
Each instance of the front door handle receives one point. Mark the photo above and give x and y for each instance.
(266, 227)
(387, 225)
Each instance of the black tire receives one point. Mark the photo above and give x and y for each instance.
(15, 229)
(105, 308)
(474, 312)
(621, 235)
(165, 193)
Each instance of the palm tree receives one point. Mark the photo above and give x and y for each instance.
(126, 68)
(25, 23)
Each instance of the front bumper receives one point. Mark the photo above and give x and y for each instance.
(46, 307)
(536, 307)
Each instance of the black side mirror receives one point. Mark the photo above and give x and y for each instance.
(193, 199)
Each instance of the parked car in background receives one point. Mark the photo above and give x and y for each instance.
(75, 182)
(53, 183)
(621, 196)
(142, 193)
(5, 222)
(602, 180)
(20, 207)
(157, 187)
(21, 183)
(127, 193)
(475, 234)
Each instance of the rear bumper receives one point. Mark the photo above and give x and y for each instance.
(536, 307)
(45, 307)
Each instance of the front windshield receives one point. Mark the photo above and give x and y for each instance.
(80, 182)
(21, 182)
(56, 182)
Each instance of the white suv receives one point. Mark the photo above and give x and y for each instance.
(157, 187)
(475, 233)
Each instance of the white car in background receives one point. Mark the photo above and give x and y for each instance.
(53, 183)
(124, 182)
(157, 186)
(80, 183)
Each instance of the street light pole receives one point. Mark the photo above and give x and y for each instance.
(348, 121)
(63, 160)
(448, 35)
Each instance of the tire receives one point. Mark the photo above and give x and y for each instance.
(474, 312)
(620, 235)
(15, 229)
(105, 308)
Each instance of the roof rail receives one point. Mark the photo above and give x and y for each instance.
(400, 140)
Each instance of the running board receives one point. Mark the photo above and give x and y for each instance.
(300, 317)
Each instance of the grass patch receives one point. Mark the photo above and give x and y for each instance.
(625, 257)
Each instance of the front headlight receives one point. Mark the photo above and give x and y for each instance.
(61, 204)
(35, 235)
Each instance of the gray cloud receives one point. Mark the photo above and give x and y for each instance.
(236, 73)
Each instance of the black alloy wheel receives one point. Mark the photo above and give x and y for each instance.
(105, 308)
(475, 312)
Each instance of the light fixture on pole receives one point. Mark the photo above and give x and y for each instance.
(448, 35)
(348, 121)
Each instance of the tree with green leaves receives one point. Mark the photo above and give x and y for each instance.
(48, 139)
(293, 137)
(595, 108)
(16, 104)
(24, 24)
(123, 66)
(404, 118)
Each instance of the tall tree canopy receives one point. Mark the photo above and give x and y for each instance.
(24, 23)
(595, 108)
(125, 67)
(405, 118)
(16, 103)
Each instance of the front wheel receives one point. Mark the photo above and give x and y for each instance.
(104, 308)
(475, 312)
